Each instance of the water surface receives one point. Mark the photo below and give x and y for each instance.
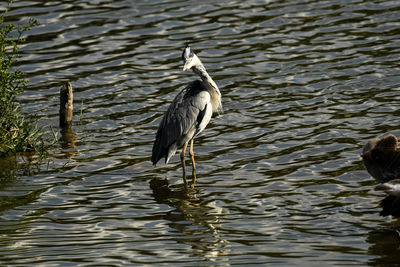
(305, 84)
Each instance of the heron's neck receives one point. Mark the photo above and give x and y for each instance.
(210, 85)
(201, 71)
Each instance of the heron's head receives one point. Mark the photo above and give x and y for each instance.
(189, 58)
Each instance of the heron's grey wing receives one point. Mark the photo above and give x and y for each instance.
(198, 113)
(168, 130)
(181, 121)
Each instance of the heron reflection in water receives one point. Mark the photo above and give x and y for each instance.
(188, 115)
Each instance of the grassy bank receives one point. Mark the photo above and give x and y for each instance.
(17, 132)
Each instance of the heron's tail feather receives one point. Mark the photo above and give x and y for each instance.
(160, 150)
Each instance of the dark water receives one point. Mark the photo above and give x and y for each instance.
(305, 84)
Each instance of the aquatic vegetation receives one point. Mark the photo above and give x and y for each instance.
(17, 132)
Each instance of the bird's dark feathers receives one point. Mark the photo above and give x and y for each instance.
(390, 206)
(182, 119)
(381, 158)
(388, 142)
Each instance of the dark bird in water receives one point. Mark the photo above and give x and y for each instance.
(390, 204)
(381, 158)
(188, 114)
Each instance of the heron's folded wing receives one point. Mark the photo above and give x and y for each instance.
(181, 120)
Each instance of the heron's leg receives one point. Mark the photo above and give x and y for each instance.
(191, 152)
(183, 163)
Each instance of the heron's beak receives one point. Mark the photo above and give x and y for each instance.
(188, 65)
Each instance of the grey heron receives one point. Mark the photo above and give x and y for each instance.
(188, 115)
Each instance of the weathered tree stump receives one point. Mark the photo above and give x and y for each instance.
(66, 105)
(66, 112)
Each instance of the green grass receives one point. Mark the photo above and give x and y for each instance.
(17, 132)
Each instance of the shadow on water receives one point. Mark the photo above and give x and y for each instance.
(18, 189)
(193, 217)
(10, 170)
(15, 193)
(385, 244)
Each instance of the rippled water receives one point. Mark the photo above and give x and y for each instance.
(305, 84)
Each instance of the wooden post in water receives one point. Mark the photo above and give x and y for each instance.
(66, 105)
(66, 111)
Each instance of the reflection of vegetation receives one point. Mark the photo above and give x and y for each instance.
(16, 132)
(26, 164)
(384, 246)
